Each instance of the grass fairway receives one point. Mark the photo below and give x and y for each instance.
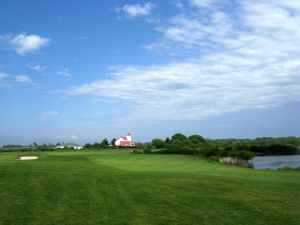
(106, 187)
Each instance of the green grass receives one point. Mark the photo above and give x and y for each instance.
(114, 187)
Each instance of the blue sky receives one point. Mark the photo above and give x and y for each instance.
(83, 70)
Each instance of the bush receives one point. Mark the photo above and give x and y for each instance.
(177, 146)
(135, 151)
(44, 148)
(233, 153)
(158, 143)
(246, 155)
(209, 151)
(147, 148)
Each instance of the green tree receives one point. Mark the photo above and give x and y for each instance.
(113, 141)
(246, 155)
(209, 151)
(158, 143)
(177, 146)
(179, 136)
(167, 140)
(88, 145)
(196, 139)
(104, 143)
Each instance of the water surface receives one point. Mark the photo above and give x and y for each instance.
(276, 162)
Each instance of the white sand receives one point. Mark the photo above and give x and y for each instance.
(28, 157)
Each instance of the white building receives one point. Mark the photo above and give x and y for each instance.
(124, 141)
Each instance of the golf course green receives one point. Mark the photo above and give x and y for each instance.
(116, 187)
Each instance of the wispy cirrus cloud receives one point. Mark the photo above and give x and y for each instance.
(65, 72)
(80, 38)
(37, 67)
(23, 78)
(3, 75)
(243, 59)
(24, 44)
(49, 114)
(136, 10)
(202, 3)
(20, 78)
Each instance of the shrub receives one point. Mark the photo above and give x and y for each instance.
(177, 146)
(233, 153)
(135, 151)
(246, 155)
(147, 148)
(209, 151)
(158, 143)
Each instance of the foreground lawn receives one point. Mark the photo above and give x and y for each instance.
(114, 187)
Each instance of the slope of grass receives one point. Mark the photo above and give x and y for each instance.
(114, 187)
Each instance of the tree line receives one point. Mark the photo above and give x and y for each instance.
(216, 148)
(195, 145)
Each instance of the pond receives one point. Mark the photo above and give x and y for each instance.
(276, 162)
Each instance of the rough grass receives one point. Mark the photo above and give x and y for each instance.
(114, 187)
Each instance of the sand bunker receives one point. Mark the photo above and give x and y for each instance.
(28, 157)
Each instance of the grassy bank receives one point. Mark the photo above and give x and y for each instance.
(115, 187)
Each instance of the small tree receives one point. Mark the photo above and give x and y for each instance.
(167, 140)
(104, 143)
(113, 141)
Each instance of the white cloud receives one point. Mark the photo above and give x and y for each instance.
(153, 20)
(49, 114)
(202, 3)
(178, 4)
(193, 31)
(137, 10)
(64, 72)
(3, 75)
(244, 59)
(191, 90)
(24, 44)
(23, 78)
(80, 38)
(74, 137)
(37, 67)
